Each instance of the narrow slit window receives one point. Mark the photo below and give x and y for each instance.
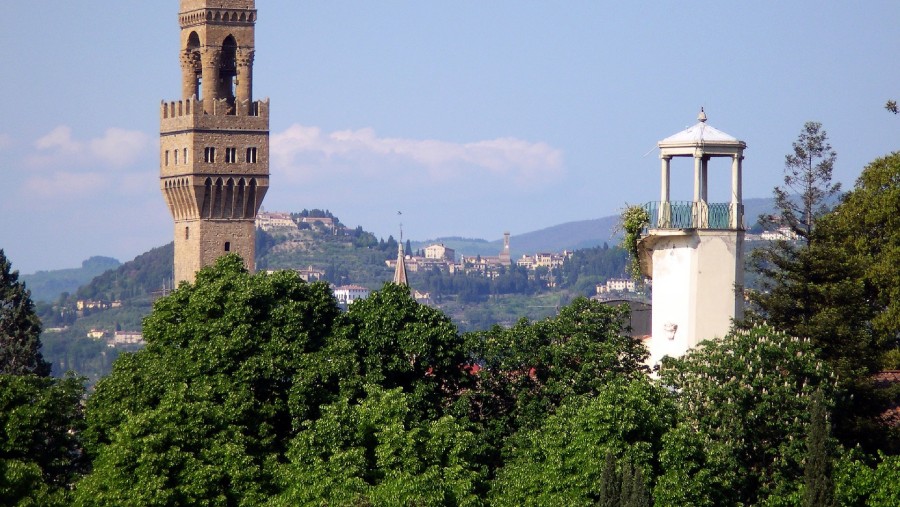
(167, 157)
(187, 233)
(185, 156)
(176, 156)
(228, 246)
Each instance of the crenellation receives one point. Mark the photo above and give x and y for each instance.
(257, 112)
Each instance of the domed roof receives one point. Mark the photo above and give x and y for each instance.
(702, 136)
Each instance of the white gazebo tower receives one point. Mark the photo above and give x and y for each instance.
(694, 250)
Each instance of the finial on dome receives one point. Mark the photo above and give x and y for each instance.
(702, 116)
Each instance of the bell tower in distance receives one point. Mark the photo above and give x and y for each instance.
(214, 142)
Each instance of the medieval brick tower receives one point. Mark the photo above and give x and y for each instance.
(214, 142)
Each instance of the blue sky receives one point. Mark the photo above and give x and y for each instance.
(471, 117)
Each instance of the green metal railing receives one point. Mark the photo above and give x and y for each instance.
(693, 215)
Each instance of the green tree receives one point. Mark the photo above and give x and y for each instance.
(610, 490)
(204, 412)
(786, 267)
(376, 450)
(818, 487)
(397, 342)
(743, 406)
(843, 292)
(560, 462)
(861, 481)
(530, 369)
(20, 328)
(807, 189)
(40, 453)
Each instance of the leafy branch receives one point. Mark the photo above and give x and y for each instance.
(633, 221)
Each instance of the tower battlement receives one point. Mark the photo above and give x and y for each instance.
(228, 16)
(187, 114)
(193, 5)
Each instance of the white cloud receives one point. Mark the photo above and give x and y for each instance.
(62, 184)
(303, 152)
(119, 147)
(59, 140)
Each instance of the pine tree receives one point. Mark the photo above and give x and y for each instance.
(818, 487)
(20, 328)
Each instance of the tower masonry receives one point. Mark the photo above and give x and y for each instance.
(214, 142)
(694, 250)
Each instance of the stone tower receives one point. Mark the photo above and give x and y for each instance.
(214, 142)
(694, 250)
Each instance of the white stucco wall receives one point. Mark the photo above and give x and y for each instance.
(694, 277)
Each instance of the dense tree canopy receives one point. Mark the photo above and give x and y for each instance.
(743, 410)
(40, 417)
(841, 291)
(559, 463)
(203, 413)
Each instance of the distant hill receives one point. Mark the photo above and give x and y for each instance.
(569, 236)
(48, 285)
(136, 279)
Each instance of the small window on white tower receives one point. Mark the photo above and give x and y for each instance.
(251, 155)
(185, 155)
(176, 156)
(167, 157)
(209, 155)
(230, 155)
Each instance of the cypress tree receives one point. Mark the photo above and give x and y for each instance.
(818, 487)
(634, 489)
(20, 328)
(609, 483)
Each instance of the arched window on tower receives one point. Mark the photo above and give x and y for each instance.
(228, 70)
(194, 72)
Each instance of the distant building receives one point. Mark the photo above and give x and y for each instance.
(326, 222)
(311, 274)
(90, 304)
(125, 338)
(543, 260)
(782, 233)
(268, 221)
(439, 252)
(96, 334)
(616, 285)
(347, 294)
(504, 254)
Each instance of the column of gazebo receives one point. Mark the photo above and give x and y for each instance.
(737, 207)
(664, 217)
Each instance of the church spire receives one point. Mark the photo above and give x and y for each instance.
(400, 272)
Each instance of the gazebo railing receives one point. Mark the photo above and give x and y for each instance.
(694, 215)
